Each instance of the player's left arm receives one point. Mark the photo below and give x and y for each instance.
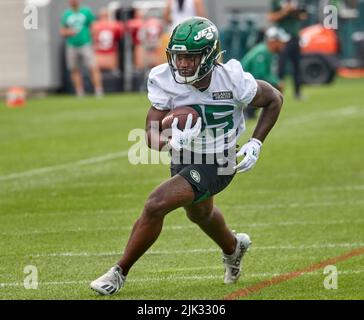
(270, 100)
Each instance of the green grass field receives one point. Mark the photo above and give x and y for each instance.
(69, 196)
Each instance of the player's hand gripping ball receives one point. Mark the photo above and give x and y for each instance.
(185, 125)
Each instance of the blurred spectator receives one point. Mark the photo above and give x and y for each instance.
(107, 34)
(76, 28)
(178, 10)
(288, 15)
(260, 60)
(149, 37)
(133, 26)
(146, 32)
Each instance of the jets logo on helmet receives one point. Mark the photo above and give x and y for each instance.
(207, 33)
(199, 38)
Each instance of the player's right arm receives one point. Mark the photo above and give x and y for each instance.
(153, 128)
(65, 30)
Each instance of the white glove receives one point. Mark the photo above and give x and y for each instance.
(251, 152)
(182, 138)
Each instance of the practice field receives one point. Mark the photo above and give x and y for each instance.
(69, 197)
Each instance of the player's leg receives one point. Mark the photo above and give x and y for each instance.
(97, 81)
(96, 77)
(208, 180)
(73, 67)
(211, 221)
(234, 246)
(77, 82)
(172, 194)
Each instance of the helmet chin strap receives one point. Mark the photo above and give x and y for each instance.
(192, 79)
(187, 80)
(195, 78)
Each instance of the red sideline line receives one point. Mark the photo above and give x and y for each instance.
(294, 274)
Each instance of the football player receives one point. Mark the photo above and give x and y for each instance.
(194, 77)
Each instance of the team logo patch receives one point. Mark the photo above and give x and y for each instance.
(223, 95)
(195, 176)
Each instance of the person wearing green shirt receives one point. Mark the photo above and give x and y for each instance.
(260, 60)
(288, 14)
(76, 24)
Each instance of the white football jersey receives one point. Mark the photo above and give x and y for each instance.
(220, 106)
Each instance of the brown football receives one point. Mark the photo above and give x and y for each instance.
(181, 113)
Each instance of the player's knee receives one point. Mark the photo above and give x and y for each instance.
(155, 207)
(200, 216)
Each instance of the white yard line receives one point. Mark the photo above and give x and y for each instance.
(172, 278)
(186, 226)
(197, 251)
(93, 160)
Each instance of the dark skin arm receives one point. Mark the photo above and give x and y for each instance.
(270, 100)
(267, 97)
(153, 127)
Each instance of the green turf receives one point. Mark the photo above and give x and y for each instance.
(303, 202)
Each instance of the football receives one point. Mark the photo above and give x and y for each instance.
(181, 113)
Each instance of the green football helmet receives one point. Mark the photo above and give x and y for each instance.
(194, 36)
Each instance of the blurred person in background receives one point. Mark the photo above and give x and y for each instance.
(148, 53)
(146, 30)
(179, 10)
(107, 34)
(76, 29)
(288, 14)
(261, 63)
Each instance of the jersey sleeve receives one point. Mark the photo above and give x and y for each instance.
(244, 83)
(156, 95)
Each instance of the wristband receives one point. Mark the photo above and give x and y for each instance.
(257, 141)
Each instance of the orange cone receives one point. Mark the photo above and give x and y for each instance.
(15, 97)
